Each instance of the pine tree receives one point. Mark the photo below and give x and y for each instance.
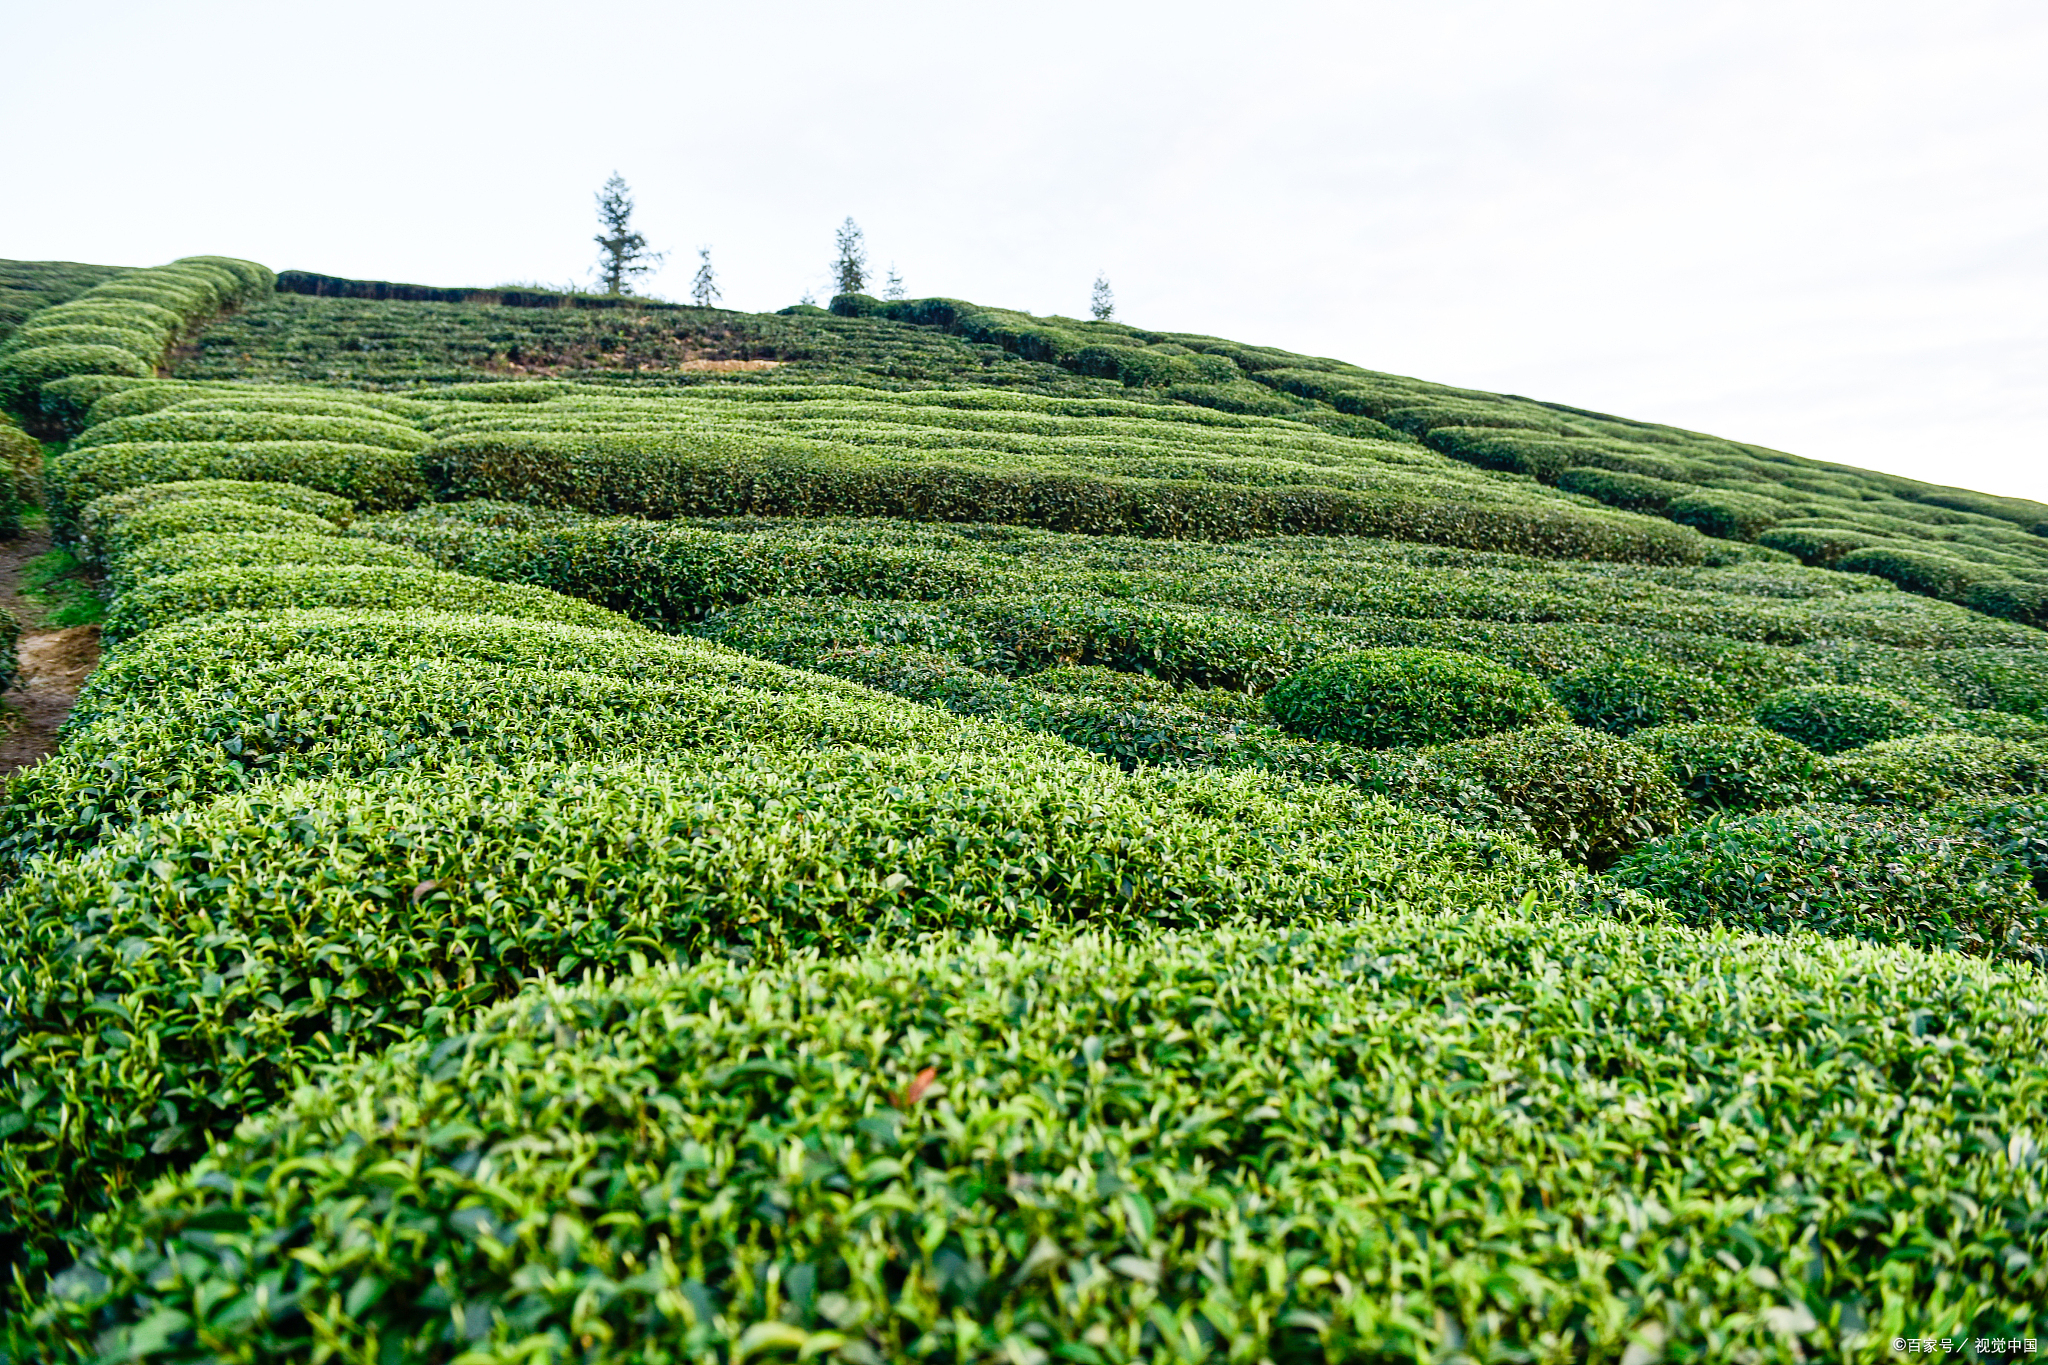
(1102, 303)
(704, 288)
(895, 286)
(625, 253)
(850, 271)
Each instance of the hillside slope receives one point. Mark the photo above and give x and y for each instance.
(634, 832)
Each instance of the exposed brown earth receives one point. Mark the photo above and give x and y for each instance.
(54, 663)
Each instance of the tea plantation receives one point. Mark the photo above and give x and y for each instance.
(608, 831)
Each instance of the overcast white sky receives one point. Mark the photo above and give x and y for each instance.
(1820, 225)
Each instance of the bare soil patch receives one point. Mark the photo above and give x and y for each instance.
(54, 662)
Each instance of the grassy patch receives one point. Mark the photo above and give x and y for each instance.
(67, 589)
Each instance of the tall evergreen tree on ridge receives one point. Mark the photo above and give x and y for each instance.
(704, 291)
(850, 271)
(894, 289)
(1101, 303)
(625, 254)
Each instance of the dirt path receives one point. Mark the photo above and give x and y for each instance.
(54, 663)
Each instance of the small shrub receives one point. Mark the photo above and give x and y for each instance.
(253, 549)
(1629, 492)
(25, 372)
(1921, 771)
(183, 516)
(1584, 794)
(1881, 876)
(2011, 599)
(1723, 767)
(1818, 546)
(1382, 697)
(1930, 575)
(1725, 515)
(1831, 717)
(202, 592)
(1624, 695)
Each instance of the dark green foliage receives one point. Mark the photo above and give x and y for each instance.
(669, 477)
(375, 478)
(1934, 575)
(1629, 492)
(1847, 872)
(1921, 771)
(1723, 767)
(1516, 452)
(1384, 697)
(1725, 515)
(1114, 716)
(202, 592)
(1829, 718)
(1622, 696)
(2011, 599)
(1584, 794)
(1815, 545)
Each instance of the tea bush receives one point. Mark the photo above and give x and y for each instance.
(1829, 718)
(1843, 871)
(978, 1149)
(98, 521)
(200, 592)
(183, 424)
(118, 539)
(1622, 696)
(1921, 771)
(1731, 767)
(375, 478)
(133, 318)
(291, 925)
(1406, 696)
(254, 549)
(1584, 794)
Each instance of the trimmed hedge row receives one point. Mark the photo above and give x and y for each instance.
(221, 550)
(241, 424)
(1410, 1137)
(98, 521)
(123, 327)
(375, 478)
(661, 478)
(1386, 697)
(117, 539)
(660, 574)
(440, 867)
(202, 592)
(1848, 872)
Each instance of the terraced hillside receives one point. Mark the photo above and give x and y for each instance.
(628, 832)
